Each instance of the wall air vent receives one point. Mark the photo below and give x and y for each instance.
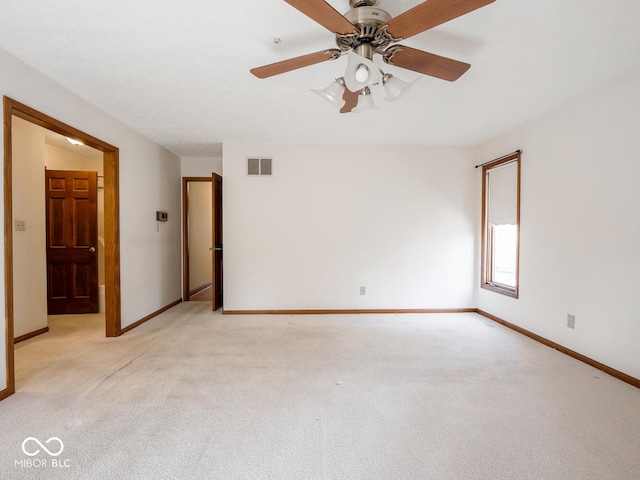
(257, 166)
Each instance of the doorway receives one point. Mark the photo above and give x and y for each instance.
(110, 153)
(202, 239)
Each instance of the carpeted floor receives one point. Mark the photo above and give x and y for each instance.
(193, 394)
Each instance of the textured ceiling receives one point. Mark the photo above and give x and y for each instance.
(178, 72)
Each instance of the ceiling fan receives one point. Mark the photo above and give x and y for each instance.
(366, 30)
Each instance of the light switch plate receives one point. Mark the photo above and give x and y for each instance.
(571, 321)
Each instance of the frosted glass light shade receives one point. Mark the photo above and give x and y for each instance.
(395, 87)
(357, 66)
(333, 93)
(365, 102)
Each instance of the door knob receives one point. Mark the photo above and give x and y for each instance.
(92, 249)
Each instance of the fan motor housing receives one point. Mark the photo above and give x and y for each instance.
(360, 3)
(367, 17)
(369, 21)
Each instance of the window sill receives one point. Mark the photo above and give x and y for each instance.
(501, 289)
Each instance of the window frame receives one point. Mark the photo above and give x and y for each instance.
(487, 238)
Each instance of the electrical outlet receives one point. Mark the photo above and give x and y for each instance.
(571, 321)
(363, 290)
(21, 226)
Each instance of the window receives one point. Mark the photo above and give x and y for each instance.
(501, 225)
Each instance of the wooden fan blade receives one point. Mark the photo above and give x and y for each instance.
(350, 100)
(425, 63)
(295, 63)
(323, 13)
(431, 14)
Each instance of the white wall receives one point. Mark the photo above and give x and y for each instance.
(149, 181)
(150, 250)
(29, 247)
(398, 220)
(58, 159)
(580, 227)
(200, 234)
(201, 167)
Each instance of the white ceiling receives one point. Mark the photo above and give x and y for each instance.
(60, 141)
(179, 71)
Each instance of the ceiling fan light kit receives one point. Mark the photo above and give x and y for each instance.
(366, 30)
(333, 93)
(361, 72)
(394, 87)
(365, 101)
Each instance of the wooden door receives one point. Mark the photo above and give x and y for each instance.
(216, 288)
(72, 240)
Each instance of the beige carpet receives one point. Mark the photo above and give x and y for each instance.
(193, 394)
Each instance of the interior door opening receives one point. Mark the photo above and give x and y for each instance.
(197, 233)
(15, 112)
(202, 239)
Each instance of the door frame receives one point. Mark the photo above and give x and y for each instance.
(185, 233)
(113, 325)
